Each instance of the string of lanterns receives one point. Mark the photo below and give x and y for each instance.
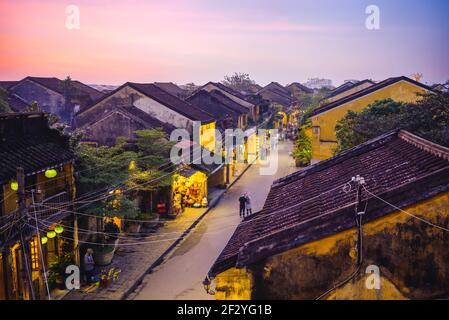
(52, 233)
(49, 174)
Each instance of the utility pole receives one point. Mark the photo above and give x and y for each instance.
(21, 196)
(359, 212)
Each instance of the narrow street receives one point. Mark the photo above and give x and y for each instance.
(181, 276)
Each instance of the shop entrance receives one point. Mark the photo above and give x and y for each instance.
(189, 190)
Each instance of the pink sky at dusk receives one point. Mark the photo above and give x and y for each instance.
(184, 41)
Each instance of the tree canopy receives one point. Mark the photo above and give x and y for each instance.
(428, 118)
(239, 81)
(120, 167)
(4, 106)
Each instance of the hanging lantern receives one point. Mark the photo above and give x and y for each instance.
(51, 173)
(132, 165)
(59, 229)
(51, 234)
(44, 240)
(14, 186)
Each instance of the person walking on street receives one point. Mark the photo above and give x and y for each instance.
(242, 201)
(249, 209)
(89, 265)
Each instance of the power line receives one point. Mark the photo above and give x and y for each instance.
(408, 213)
(358, 219)
(40, 247)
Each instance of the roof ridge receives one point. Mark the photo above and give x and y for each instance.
(424, 144)
(365, 91)
(322, 165)
(339, 89)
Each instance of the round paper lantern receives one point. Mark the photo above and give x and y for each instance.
(44, 240)
(132, 165)
(14, 186)
(51, 173)
(51, 234)
(59, 229)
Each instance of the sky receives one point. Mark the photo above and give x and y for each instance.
(201, 40)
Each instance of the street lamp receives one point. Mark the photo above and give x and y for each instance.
(206, 284)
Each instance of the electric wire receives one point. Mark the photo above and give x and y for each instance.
(40, 247)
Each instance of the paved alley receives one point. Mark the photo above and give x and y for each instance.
(181, 276)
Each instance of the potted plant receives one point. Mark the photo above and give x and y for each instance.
(107, 243)
(302, 152)
(56, 271)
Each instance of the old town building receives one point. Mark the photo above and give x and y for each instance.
(226, 112)
(36, 180)
(121, 121)
(347, 89)
(378, 210)
(325, 118)
(253, 109)
(50, 95)
(295, 89)
(158, 104)
(277, 95)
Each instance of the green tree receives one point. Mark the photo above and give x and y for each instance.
(102, 168)
(428, 118)
(33, 107)
(69, 91)
(239, 81)
(309, 102)
(154, 154)
(4, 106)
(302, 151)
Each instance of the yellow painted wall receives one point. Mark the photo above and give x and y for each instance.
(308, 271)
(207, 136)
(324, 141)
(233, 284)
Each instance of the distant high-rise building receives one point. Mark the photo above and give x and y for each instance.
(318, 83)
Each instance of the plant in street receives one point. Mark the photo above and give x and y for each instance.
(302, 151)
(56, 271)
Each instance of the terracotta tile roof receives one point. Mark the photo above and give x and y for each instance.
(208, 103)
(163, 97)
(366, 91)
(276, 87)
(171, 88)
(137, 115)
(228, 102)
(55, 85)
(298, 85)
(312, 204)
(16, 103)
(26, 141)
(172, 102)
(347, 86)
(275, 92)
(207, 168)
(7, 84)
(227, 89)
(148, 120)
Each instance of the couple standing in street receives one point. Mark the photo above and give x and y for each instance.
(245, 205)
